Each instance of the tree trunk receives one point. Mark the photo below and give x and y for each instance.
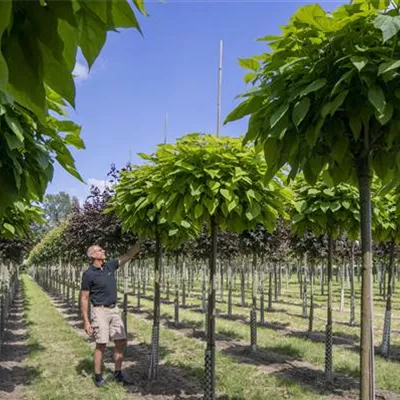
(133, 277)
(139, 277)
(311, 317)
(269, 288)
(209, 392)
(153, 371)
(262, 306)
(221, 282)
(229, 279)
(287, 277)
(275, 283)
(126, 290)
(328, 336)
(305, 294)
(384, 283)
(321, 279)
(352, 290)
(301, 279)
(183, 272)
(73, 288)
(253, 312)
(279, 279)
(242, 286)
(203, 289)
(342, 286)
(176, 300)
(367, 382)
(385, 348)
(168, 272)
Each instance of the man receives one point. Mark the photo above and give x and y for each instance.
(100, 288)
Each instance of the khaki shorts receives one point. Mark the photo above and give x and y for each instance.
(107, 325)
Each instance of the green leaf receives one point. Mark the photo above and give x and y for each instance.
(10, 228)
(359, 62)
(309, 13)
(75, 141)
(245, 108)
(340, 147)
(15, 126)
(313, 87)
(387, 114)
(68, 127)
(12, 141)
(139, 4)
(377, 98)
(312, 191)
(326, 177)
(198, 210)
(211, 205)
(213, 185)
(346, 204)
(380, 5)
(57, 75)
(25, 77)
(338, 101)
(5, 14)
(389, 25)
(278, 114)
(355, 125)
(329, 192)
(185, 224)
(388, 66)
(331, 107)
(123, 15)
(249, 77)
(249, 63)
(300, 110)
(92, 34)
(226, 193)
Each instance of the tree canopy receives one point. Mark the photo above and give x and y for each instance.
(326, 94)
(39, 42)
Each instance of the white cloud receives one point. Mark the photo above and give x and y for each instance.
(101, 184)
(80, 72)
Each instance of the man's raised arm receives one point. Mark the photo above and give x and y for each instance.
(131, 253)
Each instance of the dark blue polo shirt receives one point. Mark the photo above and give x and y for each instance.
(101, 284)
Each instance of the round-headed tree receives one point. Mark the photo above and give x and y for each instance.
(327, 98)
(326, 210)
(139, 204)
(220, 182)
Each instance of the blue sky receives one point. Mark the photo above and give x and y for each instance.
(122, 102)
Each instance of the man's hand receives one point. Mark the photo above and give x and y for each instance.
(131, 253)
(88, 328)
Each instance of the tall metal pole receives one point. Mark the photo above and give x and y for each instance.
(221, 46)
(165, 128)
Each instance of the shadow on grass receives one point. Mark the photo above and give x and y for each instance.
(276, 325)
(178, 380)
(315, 380)
(339, 338)
(15, 348)
(185, 324)
(282, 362)
(263, 356)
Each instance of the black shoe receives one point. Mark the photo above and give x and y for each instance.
(100, 382)
(119, 378)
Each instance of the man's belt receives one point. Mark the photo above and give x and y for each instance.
(113, 305)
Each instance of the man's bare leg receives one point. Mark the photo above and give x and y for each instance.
(119, 353)
(98, 357)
